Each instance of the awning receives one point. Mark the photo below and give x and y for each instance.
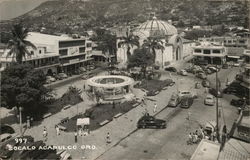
(82, 121)
(237, 57)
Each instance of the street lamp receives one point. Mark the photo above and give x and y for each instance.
(20, 120)
(217, 104)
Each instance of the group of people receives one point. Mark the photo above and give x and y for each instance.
(196, 136)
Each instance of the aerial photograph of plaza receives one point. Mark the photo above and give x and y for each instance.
(125, 79)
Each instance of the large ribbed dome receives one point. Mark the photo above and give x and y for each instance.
(155, 27)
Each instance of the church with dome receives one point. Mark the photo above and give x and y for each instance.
(175, 47)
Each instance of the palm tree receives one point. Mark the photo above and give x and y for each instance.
(18, 45)
(153, 44)
(129, 41)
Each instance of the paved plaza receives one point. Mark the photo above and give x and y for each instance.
(124, 136)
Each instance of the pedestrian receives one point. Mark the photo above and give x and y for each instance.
(190, 139)
(75, 136)
(113, 107)
(195, 137)
(84, 86)
(189, 114)
(45, 133)
(57, 130)
(28, 122)
(155, 107)
(108, 140)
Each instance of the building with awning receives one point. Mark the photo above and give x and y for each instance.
(234, 53)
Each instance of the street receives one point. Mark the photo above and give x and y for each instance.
(170, 143)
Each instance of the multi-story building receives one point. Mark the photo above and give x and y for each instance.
(54, 54)
(213, 54)
(246, 72)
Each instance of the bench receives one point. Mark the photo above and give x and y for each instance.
(65, 120)
(66, 107)
(117, 115)
(104, 122)
(165, 88)
(135, 105)
(62, 128)
(47, 115)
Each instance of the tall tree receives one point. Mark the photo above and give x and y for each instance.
(129, 41)
(106, 42)
(23, 86)
(141, 58)
(17, 44)
(153, 44)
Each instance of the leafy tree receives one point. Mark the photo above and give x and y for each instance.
(195, 34)
(152, 44)
(23, 86)
(129, 41)
(141, 58)
(17, 44)
(106, 41)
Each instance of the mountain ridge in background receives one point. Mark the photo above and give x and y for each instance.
(76, 16)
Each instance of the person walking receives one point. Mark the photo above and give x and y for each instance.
(57, 130)
(75, 134)
(28, 122)
(45, 133)
(190, 139)
(108, 140)
(155, 108)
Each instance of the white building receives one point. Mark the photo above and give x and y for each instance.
(213, 54)
(174, 48)
(54, 54)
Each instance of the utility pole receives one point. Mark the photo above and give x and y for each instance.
(217, 106)
(20, 120)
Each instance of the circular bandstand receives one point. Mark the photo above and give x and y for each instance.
(112, 87)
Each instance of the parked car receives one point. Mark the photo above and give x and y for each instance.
(208, 71)
(183, 72)
(209, 100)
(236, 64)
(169, 82)
(232, 88)
(57, 77)
(186, 102)
(215, 93)
(148, 121)
(205, 83)
(213, 68)
(171, 69)
(185, 93)
(174, 101)
(50, 79)
(239, 102)
(62, 75)
(201, 75)
(225, 66)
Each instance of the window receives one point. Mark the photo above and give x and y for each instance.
(89, 44)
(40, 51)
(71, 43)
(206, 51)
(242, 41)
(31, 52)
(216, 51)
(197, 50)
(63, 52)
(229, 41)
(81, 49)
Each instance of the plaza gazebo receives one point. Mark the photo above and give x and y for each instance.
(111, 87)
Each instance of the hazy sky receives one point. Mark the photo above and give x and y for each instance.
(13, 8)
